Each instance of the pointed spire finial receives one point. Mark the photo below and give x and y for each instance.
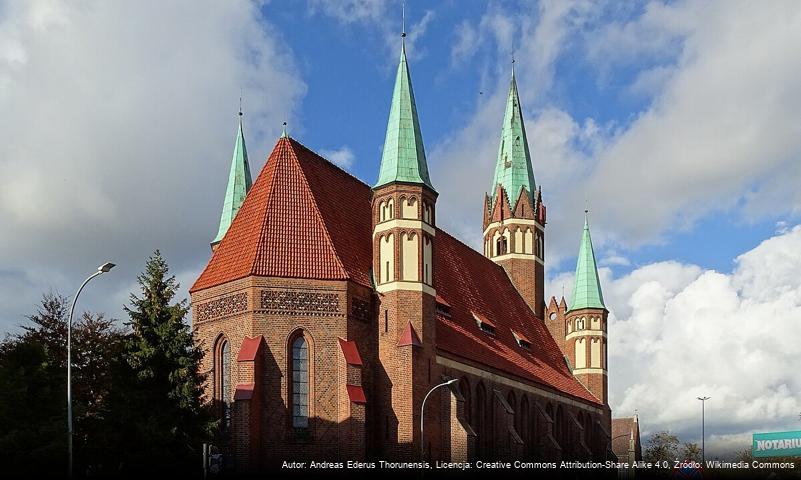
(403, 21)
(283, 133)
(240, 102)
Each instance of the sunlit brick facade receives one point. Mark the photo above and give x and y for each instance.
(330, 308)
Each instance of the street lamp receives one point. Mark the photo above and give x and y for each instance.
(423, 412)
(703, 451)
(100, 270)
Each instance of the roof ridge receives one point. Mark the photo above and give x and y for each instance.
(317, 212)
(262, 227)
(337, 167)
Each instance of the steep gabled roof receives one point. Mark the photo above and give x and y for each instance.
(303, 218)
(624, 431)
(474, 285)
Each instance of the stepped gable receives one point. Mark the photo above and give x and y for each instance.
(473, 284)
(303, 218)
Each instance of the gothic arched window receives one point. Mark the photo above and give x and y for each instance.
(222, 369)
(559, 427)
(480, 419)
(464, 388)
(502, 246)
(523, 423)
(300, 383)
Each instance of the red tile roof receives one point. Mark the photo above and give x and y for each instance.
(350, 352)
(356, 394)
(473, 284)
(299, 220)
(244, 391)
(249, 349)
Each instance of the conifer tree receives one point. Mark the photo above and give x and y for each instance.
(168, 421)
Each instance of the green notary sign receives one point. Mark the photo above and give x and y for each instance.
(777, 444)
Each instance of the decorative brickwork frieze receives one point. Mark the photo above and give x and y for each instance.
(290, 302)
(221, 307)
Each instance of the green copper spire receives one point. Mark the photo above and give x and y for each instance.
(404, 158)
(587, 291)
(239, 183)
(513, 170)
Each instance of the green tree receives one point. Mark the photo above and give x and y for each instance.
(33, 421)
(164, 420)
(690, 451)
(660, 447)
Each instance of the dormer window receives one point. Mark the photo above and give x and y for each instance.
(484, 324)
(443, 307)
(522, 341)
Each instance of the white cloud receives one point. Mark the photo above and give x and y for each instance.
(381, 18)
(677, 332)
(343, 157)
(350, 11)
(716, 130)
(720, 132)
(109, 109)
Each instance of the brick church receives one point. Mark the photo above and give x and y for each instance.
(330, 308)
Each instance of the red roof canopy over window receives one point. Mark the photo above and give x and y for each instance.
(350, 351)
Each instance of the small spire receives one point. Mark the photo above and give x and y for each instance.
(587, 289)
(239, 183)
(283, 133)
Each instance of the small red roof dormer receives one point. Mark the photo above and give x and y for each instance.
(409, 337)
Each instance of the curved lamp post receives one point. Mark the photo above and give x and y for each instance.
(423, 412)
(100, 270)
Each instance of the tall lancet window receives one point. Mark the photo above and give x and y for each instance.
(300, 383)
(223, 368)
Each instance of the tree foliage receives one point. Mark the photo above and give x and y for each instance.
(660, 447)
(33, 423)
(166, 422)
(136, 391)
(690, 451)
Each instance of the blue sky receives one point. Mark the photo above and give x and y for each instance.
(678, 122)
(348, 67)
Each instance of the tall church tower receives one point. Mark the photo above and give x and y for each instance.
(586, 323)
(403, 209)
(514, 216)
(239, 183)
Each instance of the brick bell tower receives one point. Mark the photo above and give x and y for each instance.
(585, 331)
(514, 215)
(403, 209)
